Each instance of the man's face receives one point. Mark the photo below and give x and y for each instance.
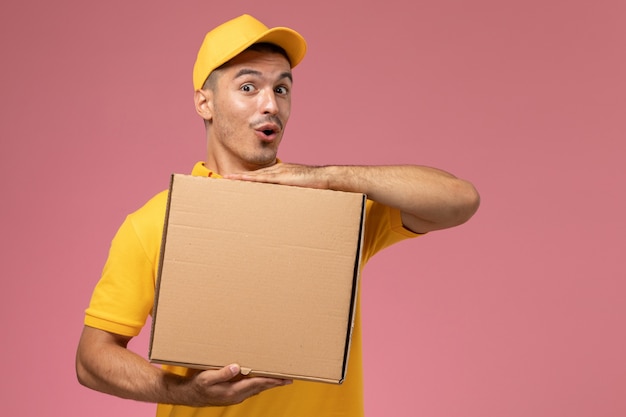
(251, 103)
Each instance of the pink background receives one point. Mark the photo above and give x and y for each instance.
(520, 312)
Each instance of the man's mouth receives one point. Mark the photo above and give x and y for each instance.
(268, 130)
(268, 125)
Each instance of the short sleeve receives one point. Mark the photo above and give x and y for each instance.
(123, 298)
(383, 228)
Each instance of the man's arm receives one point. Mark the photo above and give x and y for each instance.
(103, 363)
(428, 198)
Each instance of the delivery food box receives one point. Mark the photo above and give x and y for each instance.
(258, 274)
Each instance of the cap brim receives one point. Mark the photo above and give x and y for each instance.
(290, 40)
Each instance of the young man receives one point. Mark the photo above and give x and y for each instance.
(243, 81)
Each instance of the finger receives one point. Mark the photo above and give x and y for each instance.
(221, 375)
(241, 176)
(228, 386)
(248, 387)
(254, 177)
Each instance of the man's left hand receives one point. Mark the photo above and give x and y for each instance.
(287, 174)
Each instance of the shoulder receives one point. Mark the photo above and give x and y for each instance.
(146, 223)
(152, 210)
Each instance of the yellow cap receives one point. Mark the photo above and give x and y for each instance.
(233, 37)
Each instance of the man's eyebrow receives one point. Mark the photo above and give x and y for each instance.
(249, 71)
(287, 74)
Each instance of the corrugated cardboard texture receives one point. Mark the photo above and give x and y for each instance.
(258, 274)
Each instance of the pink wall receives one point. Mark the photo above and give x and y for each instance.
(520, 312)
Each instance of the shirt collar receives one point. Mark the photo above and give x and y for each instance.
(201, 170)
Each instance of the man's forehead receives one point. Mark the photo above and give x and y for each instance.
(262, 62)
(253, 58)
(259, 74)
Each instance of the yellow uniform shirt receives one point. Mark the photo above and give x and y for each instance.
(124, 296)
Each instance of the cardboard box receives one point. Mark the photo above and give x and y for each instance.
(257, 274)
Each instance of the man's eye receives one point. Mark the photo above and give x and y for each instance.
(282, 90)
(247, 88)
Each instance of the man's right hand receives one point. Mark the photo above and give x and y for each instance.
(103, 363)
(227, 386)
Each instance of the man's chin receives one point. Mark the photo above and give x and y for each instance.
(261, 161)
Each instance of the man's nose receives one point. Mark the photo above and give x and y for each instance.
(269, 105)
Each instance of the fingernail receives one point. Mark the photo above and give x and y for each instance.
(234, 369)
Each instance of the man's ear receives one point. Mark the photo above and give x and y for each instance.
(203, 100)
